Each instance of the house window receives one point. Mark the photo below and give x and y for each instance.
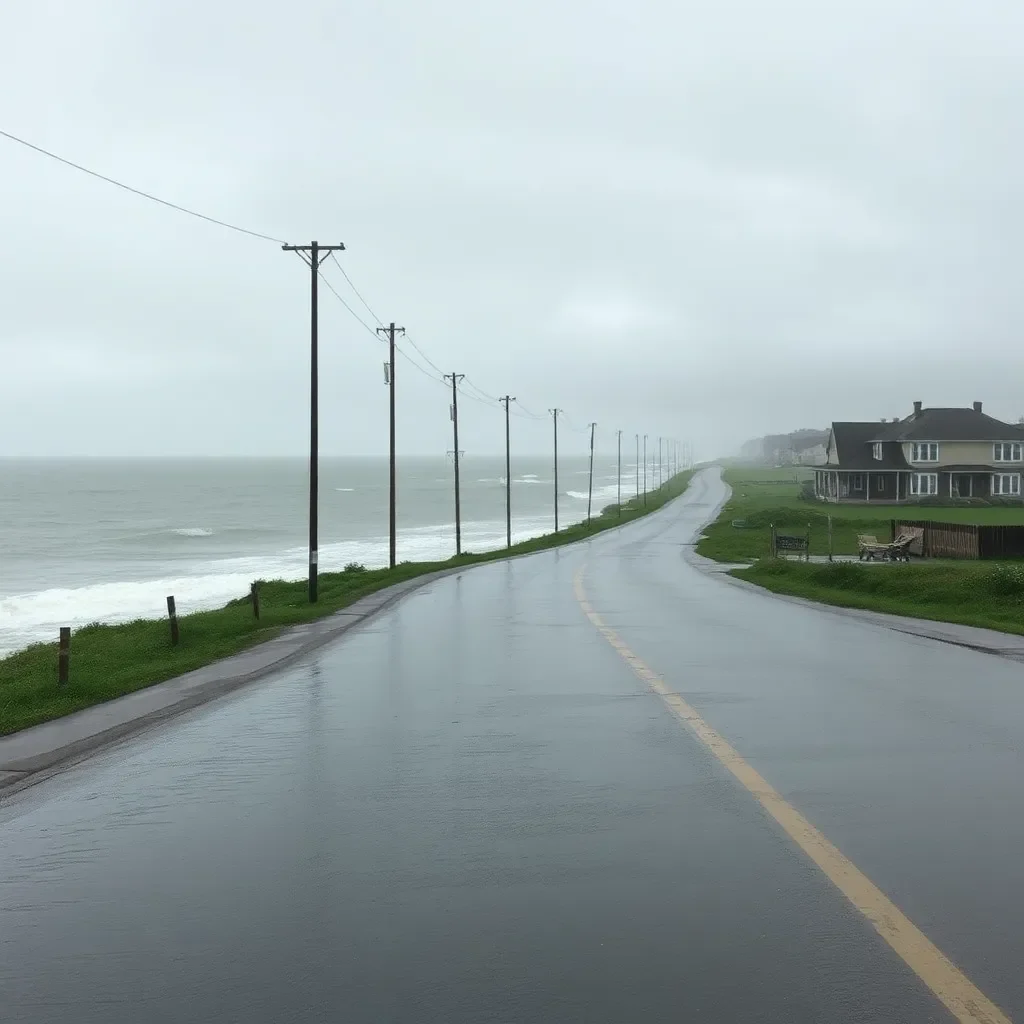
(857, 482)
(876, 450)
(924, 451)
(1007, 484)
(923, 484)
(1006, 451)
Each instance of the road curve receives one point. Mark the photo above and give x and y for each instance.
(503, 799)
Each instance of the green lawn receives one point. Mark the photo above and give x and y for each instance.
(109, 661)
(762, 497)
(987, 594)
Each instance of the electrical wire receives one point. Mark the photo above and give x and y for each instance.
(480, 391)
(529, 412)
(481, 396)
(423, 354)
(359, 296)
(334, 291)
(139, 192)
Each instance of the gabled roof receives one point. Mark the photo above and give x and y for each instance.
(948, 425)
(852, 442)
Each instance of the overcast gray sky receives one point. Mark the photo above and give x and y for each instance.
(706, 220)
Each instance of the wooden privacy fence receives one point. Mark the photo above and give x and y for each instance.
(963, 540)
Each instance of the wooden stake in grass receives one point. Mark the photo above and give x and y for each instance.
(173, 616)
(64, 656)
(255, 592)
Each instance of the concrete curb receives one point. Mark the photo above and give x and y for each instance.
(974, 638)
(41, 751)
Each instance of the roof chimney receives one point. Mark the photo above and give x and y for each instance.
(977, 406)
(917, 408)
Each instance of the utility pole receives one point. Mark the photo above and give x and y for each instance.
(455, 378)
(659, 464)
(590, 486)
(389, 378)
(637, 467)
(645, 471)
(554, 416)
(313, 255)
(618, 476)
(508, 475)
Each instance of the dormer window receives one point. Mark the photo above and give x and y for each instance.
(924, 451)
(876, 450)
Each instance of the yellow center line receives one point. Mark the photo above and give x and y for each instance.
(950, 985)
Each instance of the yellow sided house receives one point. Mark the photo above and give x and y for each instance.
(932, 453)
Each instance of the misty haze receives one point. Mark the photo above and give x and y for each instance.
(511, 512)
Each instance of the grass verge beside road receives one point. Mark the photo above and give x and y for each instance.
(109, 661)
(986, 594)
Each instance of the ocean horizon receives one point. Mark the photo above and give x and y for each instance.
(106, 539)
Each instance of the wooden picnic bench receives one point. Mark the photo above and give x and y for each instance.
(869, 548)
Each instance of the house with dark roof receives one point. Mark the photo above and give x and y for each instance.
(932, 453)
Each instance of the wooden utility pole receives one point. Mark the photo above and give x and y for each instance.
(590, 485)
(391, 330)
(645, 471)
(554, 416)
(313, 255)
(660, 474)
(618, 476)
(508, 474)
(455, 378)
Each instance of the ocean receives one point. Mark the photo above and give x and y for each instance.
(106, 540)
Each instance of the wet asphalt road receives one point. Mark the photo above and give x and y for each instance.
(471, 810)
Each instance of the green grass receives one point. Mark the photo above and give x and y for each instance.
(764, 496)
(110, 661)
(987, 594)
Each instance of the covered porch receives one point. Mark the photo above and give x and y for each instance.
(966, 481)
(884, 485)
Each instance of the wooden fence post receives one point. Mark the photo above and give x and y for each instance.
(173, 616)
(255, 591)
(64, 656)
(771, 541)
(807, 549)
(830, 537)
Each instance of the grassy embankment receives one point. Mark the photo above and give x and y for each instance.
(109, 661)
(988, 594)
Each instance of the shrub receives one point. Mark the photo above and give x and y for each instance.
(1005, 581)
(354, 567)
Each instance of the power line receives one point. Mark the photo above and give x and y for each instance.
(485, 399)
(532, 415)
(424, 355)
(356, 290)
(480, 391)
(426, 373)
(334, 291)
(139, 192)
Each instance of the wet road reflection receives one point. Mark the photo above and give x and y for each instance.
(469, 810)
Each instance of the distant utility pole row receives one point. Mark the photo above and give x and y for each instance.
(313, 256)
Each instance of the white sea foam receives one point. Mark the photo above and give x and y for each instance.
(346, 490)
(192, 531)
(34, 617)
(602, 495)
